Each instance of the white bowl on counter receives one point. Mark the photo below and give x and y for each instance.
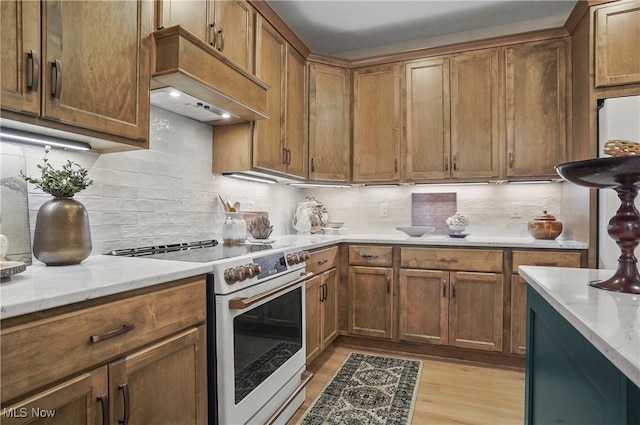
(415, 231)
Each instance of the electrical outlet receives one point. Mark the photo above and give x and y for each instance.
(516, 210)
(384, 209)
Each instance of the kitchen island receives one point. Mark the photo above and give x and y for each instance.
(583, 356)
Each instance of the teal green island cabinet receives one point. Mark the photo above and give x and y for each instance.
(583, 350)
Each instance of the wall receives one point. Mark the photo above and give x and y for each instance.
(487, 206)
(168, 194)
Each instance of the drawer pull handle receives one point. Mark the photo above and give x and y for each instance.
(123, 330)
(369, 256)
(542, 263)
(104, 402)
(56, 79)
(321, 262)
(449, 260)
(125, 397)
(33, 72)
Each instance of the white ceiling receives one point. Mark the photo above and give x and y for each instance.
(353, 29)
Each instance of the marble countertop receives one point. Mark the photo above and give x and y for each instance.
(609, 320)
(41, 287)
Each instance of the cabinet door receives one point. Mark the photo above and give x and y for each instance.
(475, 316)
(617, 36)
(428, 120)
(536, 108)
(21, 56)
(164, 384)
(268, 147)
(370, 301)
(313, 298)
(329, 308)
(77, 401)
(196, 16)
(235, 37)
(518, 315)
(475, 115)
(329, 123)
(376, 124)
(296, 142)
(92, 65)
(424, 301)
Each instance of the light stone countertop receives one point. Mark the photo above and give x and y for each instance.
(41, 287)
(609, 320)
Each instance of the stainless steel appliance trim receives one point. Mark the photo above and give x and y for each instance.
(242, 303)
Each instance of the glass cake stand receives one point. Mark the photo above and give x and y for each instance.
(621, 174)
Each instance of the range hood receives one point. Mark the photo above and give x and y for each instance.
(208, 84)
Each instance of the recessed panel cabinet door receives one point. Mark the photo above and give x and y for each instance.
(428, 120)
(296, 142)
(371, 301)
(164, 384)
(268, 144)
(77, 401)
(96, 65)
(424, 306)
(536, 108)
(21, 75)
(475, 316)
(475, 115)
(193, 15)
(235, 21)
(376, 124)
(313, 298)
(329, 308)
(329, 123)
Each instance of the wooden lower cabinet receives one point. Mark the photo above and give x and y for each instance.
(462, 309)
(370, 297)
(82, 400)
(162, 384)
(134, 359)
(519, 288)
(321, 312)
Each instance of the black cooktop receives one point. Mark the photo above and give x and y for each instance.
(196, 252)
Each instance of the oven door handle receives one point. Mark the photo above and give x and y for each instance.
(242, 303)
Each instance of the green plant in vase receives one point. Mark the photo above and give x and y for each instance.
(62, 234)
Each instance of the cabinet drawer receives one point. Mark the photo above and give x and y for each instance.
(40, 352)
(323, 260)
(370, 255)
(546, 258)
(452, 259)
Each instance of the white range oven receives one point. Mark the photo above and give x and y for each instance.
(255, 328)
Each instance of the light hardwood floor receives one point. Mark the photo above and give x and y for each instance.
(449, 392)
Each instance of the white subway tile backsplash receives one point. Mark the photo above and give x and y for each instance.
(168, 194)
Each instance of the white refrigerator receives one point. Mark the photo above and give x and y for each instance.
(618, 118)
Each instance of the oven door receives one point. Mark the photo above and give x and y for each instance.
(260, 347)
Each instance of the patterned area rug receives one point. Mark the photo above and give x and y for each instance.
(367, 390)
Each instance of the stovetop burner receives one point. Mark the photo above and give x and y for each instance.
(159, 249)
(196, 252)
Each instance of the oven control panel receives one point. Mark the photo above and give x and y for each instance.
(265, 266)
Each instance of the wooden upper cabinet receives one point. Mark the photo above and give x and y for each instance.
(329, 123)
(296, 142)
(536, 118)
(21, 75)
(376, 124)
(475, 130)
(95, 85)
(617, 37)
(280, 143)
(427, 120)
(99, 82)
(227, 26)
(268, 146)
